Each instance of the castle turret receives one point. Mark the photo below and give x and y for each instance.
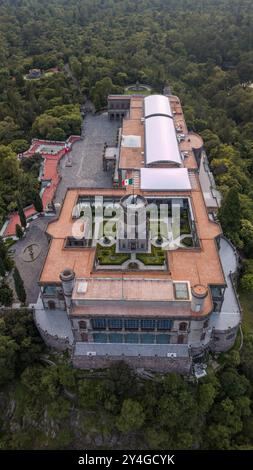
(67, 278)
(199, 293)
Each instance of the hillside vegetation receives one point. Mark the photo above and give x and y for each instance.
(204, 51)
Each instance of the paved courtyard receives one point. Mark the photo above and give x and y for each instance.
(30, 270)
(86, 156)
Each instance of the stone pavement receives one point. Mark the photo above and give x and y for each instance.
(86, 156)
(30, 270)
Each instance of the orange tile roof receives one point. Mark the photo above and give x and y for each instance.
(198, 266)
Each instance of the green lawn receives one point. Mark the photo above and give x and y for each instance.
(108, 255)
(136, 92)
(155, 258)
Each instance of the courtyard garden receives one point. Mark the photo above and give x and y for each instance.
(107, 255)
(155, 258)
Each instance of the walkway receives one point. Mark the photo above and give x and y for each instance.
(230, 315)
(54, 322)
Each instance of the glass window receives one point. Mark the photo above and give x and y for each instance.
(115, 323)
(99, 338)
(131, 338)
(217, 292)
(49, 290)
(148, 324)
(82, 325)
(147, 338)
(181, 290)
(115, 338)
(131, 323)
(162, 339)
(164, 324)
(183, 326)
(98, 323)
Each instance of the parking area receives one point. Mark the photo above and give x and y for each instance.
(86, 156)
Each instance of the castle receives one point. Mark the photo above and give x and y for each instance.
(142, 272)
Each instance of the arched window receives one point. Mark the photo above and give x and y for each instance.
(82, 325)
(183, 326)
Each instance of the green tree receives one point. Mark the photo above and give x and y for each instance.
(19, 145)
(206, 395)
(218, 437)
(247, 357)
(21, 214)
(247, 237)
(19, 325)
(8, 351)
(19, 231)
(230, 215)
(37, 201)
(121, 380)
(247, 283)
(2, 267)
(19, 286)
(6, 295)
(131, 417)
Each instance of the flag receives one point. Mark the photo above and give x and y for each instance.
(127, 181)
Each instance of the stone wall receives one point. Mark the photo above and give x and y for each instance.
(60, 344)
(181, 365)
(223, 340)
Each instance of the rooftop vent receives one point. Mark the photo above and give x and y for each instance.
(171, 354)
(91, 353)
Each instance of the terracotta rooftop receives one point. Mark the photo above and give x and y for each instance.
(124, 288)
(132, 310)
(132, 157)
(197, 265)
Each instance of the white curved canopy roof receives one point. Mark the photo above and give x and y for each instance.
(157, 105)
(161, 143)
(165, 179)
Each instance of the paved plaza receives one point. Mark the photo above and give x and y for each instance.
(86, 156)
(30, 270)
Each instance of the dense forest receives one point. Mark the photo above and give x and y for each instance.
(203, 50)
(45, 404)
